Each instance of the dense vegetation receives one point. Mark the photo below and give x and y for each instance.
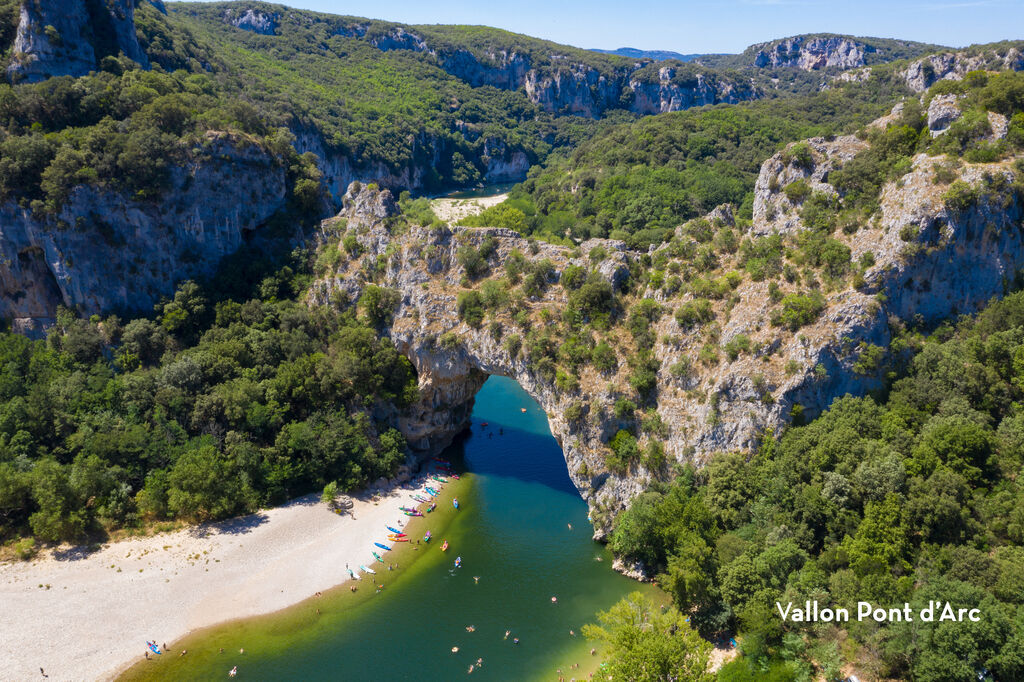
(215, 407)
(912, 497)
(638, 181)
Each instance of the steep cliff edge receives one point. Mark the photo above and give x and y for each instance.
(730, 368)
(104, 251)
(71, 37)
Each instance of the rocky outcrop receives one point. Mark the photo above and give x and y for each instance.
(70, 37)
(671, 93)
(942, 111)
(931, 261)
(264, 23)
(105, 252)
(562, 85)
(774, 211)
(921, 74)
(811, 53)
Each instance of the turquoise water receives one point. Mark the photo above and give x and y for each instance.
(480, 192)
(513, 534)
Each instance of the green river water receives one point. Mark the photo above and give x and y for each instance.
(512, 532)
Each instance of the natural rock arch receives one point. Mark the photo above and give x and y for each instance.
(723, 406)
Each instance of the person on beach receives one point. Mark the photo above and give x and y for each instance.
(145, 652)
(41, 672)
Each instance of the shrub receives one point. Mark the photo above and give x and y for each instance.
(604, 358)
(960, 196)
(624, 451)
(471, 308)
(693, 313)
(797, 191)
(736, 345)
(378, 304)
(449, 341)
(625, 409)
(798, 310)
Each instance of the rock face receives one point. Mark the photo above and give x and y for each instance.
(668, 94)
(104, 252)
(930, 261)
(69, 37)
(942, 111)
(811, 53)
(561, 85)
(921, 74)
(264, 23)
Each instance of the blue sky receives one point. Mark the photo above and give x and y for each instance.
(705, 25)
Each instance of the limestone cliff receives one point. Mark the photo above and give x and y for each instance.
(928, 261)
(561, 84)
(70, 37)
(922, 73)
(107, 252)
(811, 53)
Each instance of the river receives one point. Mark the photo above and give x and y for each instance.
(517, 550)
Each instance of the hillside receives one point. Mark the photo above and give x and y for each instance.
(656, 55)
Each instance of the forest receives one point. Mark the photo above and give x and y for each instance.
(215, 406)
(909, 496)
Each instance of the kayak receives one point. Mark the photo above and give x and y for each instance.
(377, 557)
(407, 509)
(444, 547)
(426, 538)
(396, 534)
(431, 491)
(420, 498)
(458, 562)
(398, 539)
(393, 530)
(439, 479)
(384, 547)
(455, 503)
(353, 574)
(154, 648)
(367, 570)
(414, 513)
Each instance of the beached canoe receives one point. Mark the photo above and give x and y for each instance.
(377, 557)
(442, 461)
(444, 547)
(412, 513)
(407, 509)
(432, 491)
(394, 530)
(355, 576)
(420, 498)
(367, 570)
(154, 648)
(384, 547)
(394, 539)
(439, 479)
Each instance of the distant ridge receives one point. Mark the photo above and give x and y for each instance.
(656, 55)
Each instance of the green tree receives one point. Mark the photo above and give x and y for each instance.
(646, 644)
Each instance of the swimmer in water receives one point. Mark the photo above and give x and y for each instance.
(476, 578)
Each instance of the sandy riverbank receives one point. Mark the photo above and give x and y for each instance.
(86, 617)
(452, 211)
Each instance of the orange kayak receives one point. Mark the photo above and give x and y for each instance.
(444, 547)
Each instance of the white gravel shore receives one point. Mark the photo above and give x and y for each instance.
(86, 617)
